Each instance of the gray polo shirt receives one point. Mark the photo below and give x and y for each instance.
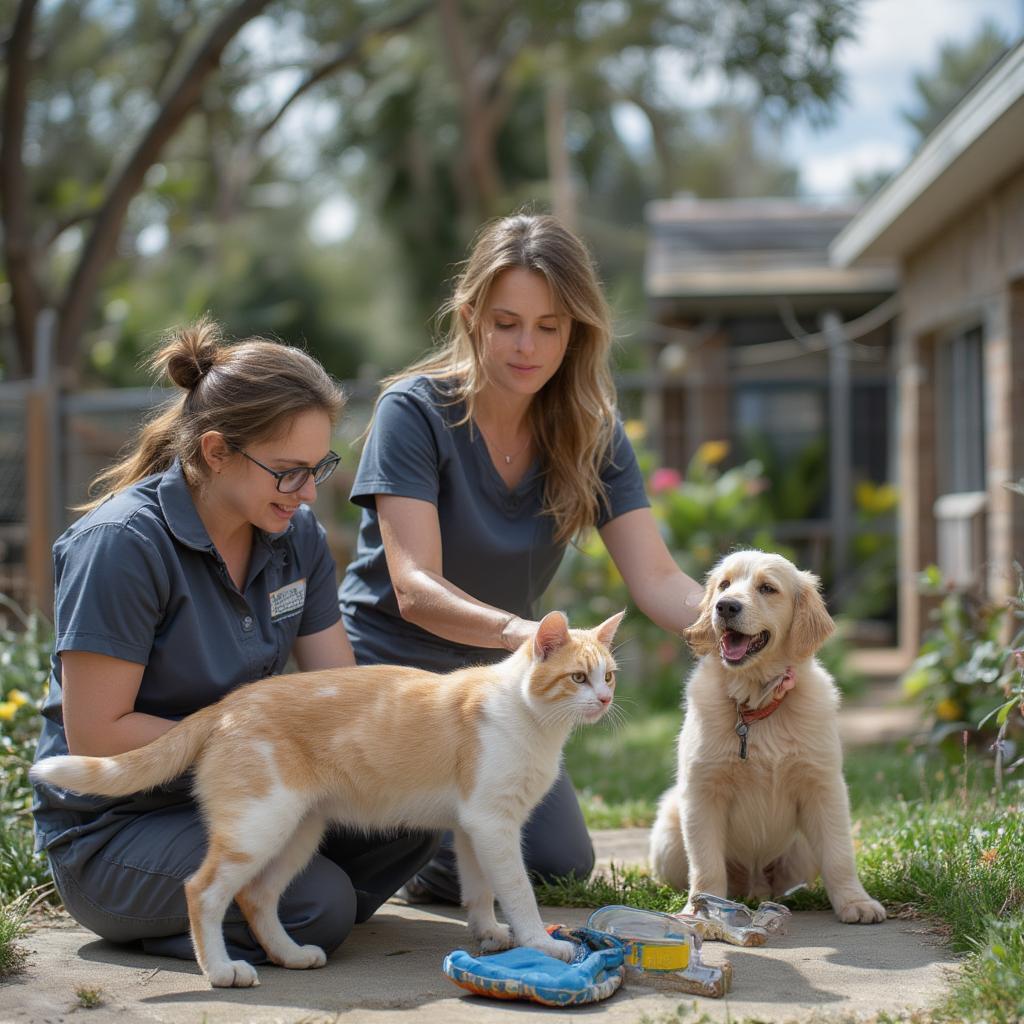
(138, 578)
(497, 544)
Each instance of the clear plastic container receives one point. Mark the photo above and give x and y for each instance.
(662, 950)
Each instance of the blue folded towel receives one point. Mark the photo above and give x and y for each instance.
(522, 973)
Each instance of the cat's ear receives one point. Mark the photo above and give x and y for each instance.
(606, 631)
(552, 634)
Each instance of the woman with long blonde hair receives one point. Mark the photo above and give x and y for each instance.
(483, 461)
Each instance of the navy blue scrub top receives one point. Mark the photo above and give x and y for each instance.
(498, 545)
(138, 578)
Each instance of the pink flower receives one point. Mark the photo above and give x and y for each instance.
(1018, 657)
(665, 479)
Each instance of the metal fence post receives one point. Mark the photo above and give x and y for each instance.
(40, 454)
(840, 444)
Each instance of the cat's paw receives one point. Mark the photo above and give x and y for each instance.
(861, 911)
(304, 957)
(494, 938)
(555, 947)
(233, 974)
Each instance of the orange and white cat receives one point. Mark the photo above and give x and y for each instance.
(376, 747)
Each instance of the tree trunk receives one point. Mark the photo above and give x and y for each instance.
(556, 107)
(99, 248)
(479, 128)
(18, 249)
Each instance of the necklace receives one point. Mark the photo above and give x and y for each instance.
(508, 458)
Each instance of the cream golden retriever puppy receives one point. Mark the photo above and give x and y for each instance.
(760, 804)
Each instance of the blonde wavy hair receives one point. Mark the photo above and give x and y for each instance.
(573, 416)
(246, 390)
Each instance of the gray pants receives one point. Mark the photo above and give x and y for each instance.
(555, 843)
(131, 888)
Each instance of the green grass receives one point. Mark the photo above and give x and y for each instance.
(13, 955)
(932, 839)
(620, 769)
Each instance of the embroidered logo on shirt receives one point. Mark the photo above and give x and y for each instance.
(288, 600)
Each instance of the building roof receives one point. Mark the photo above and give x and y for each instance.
(750, 248)
(978, 145)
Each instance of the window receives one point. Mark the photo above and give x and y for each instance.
(960, 413)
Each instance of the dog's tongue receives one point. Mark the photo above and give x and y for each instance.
(734, 645)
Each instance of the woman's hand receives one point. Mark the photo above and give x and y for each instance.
(517, 632)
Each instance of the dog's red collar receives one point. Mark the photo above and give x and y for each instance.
(746, 714)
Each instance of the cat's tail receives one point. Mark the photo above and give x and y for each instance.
(135, 770)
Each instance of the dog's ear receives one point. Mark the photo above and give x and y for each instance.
(701, 635)
(812, 624)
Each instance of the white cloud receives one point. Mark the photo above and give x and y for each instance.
(896, 40)
(827, 173)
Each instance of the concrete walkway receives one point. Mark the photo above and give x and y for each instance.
(389, 972)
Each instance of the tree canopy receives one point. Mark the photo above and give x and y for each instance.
(161, 158)
(959, 68)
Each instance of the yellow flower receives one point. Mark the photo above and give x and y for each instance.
(8, 709)
(948, 709)
(712, 452)
(989, 856)
(17, 698)
(635, 430)
(875, 498)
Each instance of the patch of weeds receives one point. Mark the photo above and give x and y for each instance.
(623, 885)
(13, 955)
(89, 998)
(991, 986)
(26, 640)
(959, 860)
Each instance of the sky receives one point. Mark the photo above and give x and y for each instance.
(896, 40)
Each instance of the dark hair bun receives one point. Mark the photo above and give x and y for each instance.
(190, 353)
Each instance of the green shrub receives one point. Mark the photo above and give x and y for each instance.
(966, 674)
(26, 641)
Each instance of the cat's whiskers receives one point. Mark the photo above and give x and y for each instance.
(615, 717)
(562, 715)
(615, 648)
(620, 661)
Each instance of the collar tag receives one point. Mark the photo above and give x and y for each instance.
(745, 715)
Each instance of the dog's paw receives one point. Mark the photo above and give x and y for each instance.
(305, 957)
(861, 911)
(233, 974)
(494, 938)
(555, 947)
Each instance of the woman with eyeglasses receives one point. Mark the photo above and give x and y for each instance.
(199, 567)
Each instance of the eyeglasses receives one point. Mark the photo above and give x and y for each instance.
(291, 480)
